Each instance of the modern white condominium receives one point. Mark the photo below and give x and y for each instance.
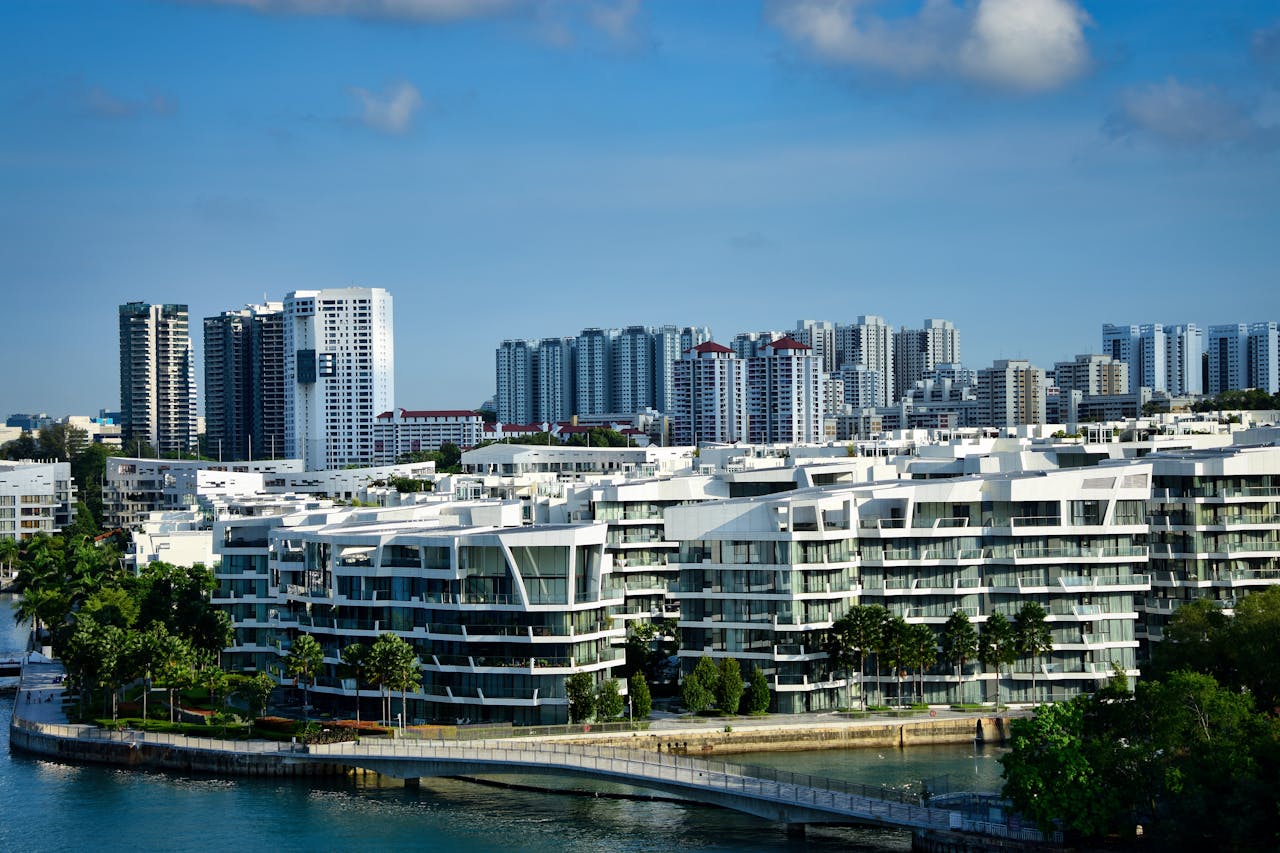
(35, 497)
(157, 376)
(339, 373)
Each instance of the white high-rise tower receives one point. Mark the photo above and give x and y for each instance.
(339, 373)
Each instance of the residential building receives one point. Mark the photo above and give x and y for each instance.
(554, 397)
(517, 378)
(1092, 375)
(244, 382)
(339, 373)
(784, 395)
(1184, 352)
(869, 341)
(401, 432)
(157, 377)
(820, 337)
(710, 404)
(35, 497)
(1264, 357)
(917, 351)
(593, 382)
(1011, 392)
(631, 365)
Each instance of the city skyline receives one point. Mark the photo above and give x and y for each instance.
(527, 170)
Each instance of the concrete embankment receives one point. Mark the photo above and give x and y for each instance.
(863, 733)
(174, 757)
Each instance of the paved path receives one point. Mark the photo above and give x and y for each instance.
(39, 697)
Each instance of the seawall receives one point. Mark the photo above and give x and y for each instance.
(887, 735)
(174, 757)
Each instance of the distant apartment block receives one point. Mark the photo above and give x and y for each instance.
(157, 377)
(403, 431)
(244, 390)
(1012, 392)
(710, 403)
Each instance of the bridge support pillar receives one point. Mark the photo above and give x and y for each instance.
(795, 831)
(412, 784)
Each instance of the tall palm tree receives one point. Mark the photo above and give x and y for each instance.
(959, 645)
(304, 662)
(854, 637)
(896, 646)
(353, 657)
(922, 649)
(997, 646)
(1032, 636)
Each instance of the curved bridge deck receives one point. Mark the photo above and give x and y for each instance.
(772, 795)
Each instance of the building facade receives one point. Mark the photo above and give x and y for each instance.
(244, 382)
(157, 377)
(339, 373)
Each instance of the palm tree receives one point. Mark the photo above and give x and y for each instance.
(959, 645)
(393, 664)
(996, 646)
(856, 635)
(1032, 636)
(353, 658)
(922, 651)
(895, 646)
(304, 662)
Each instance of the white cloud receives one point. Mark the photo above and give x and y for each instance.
(420, 11)
(391, 111)
(616, 20)
(1022, 45)
(1187, 116)
(104, 104)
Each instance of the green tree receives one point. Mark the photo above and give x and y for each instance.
(169, 658)
(758, 696)
(353, 656)
(580, 691)
(89, 470)
(62, 442)
(854, 637)
(22, 447)
(959, 643)
(729, 686)
(304, 662)
(997, 646)
(1048, 775)
(609, 702)
(1032, 637)
(641, 699)
(111, 605)
(393, 664)
(699, 688)
(257, 693)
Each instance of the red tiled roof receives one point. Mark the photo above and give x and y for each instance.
(787, 343)
(439, 413)
(711, 346)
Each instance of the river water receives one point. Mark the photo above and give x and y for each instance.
(53, 807)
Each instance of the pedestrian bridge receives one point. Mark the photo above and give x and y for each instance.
(789, 798)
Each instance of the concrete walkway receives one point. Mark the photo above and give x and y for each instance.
(39, 697)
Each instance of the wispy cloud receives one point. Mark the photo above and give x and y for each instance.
(391, 111)
(1266, 43)
(103, 104)
(417, 11)
(1020, 45)
(1181, 115)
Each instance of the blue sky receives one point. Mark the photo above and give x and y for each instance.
(1028, 169)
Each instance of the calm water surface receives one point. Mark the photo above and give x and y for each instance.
(52, 807)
